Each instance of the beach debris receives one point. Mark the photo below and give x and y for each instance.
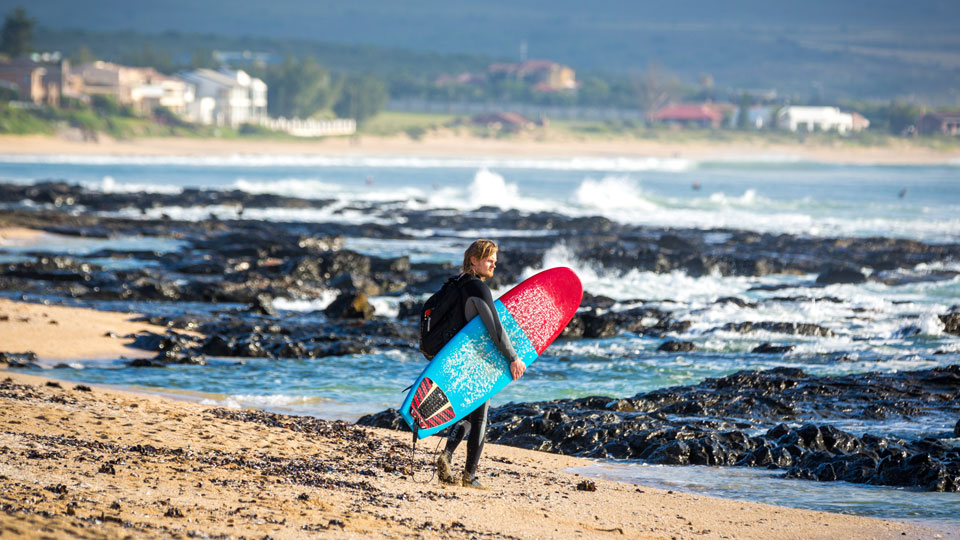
(303, 497)
(53, 384)
(173, 512)
(59, 489)
(587, 485)
(107, 468)
(82, 388)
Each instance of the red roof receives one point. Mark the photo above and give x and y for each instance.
(688, 112)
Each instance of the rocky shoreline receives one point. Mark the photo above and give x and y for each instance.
(772, 419)
(231, 270)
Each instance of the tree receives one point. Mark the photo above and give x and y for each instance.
(300, 88)
(743, 111)
(17, 33)
(595, 91)
(149, 56)
(82, 56)
(362, 98)
(202, 58)
(652, 90)
(899, 116)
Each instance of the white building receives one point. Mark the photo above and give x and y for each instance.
(257, 93)
(226, 98)
(820, 119)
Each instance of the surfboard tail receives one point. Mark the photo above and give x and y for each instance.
(430, 406)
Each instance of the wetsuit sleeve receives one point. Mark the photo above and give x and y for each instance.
(480, 302)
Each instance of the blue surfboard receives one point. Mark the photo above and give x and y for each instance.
(469, 369)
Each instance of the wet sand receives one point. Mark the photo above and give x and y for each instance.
(57, 333)
(449, 144)
(82, 462)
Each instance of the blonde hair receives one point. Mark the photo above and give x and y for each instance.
(481, 249)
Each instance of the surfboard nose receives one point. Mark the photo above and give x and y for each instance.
(569, 289)
(544, 303)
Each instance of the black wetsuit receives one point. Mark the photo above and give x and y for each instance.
(479, 301)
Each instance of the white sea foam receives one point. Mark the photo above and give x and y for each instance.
(317, 304)
(633, 284)
(487, 188)
(627, 190)
(267, 401)
(108, 184)
(612, 192)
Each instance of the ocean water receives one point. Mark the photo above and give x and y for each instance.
(877, 327)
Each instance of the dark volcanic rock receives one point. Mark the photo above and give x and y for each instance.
(676, 346)
(18, 360)
(263, 305)
(841, 275)
(951, 323)
(803, 329)
(595, 326)
(711, 424)
(770, 348)
(51, 269)
(350, 306)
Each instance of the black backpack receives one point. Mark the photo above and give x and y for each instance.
(441, 316)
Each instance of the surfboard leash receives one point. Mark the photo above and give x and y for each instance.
(413, 456)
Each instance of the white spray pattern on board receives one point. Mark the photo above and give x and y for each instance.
(474, 368)
(537, 312)
(477, 365)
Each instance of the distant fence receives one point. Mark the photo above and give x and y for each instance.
(526, 109)
(309, 127)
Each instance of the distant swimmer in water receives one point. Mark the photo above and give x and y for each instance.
(903, 193)
(369, 180)
(696, 186)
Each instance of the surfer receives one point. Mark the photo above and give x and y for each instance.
(479, 263)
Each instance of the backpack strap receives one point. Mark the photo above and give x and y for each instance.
(463, 279)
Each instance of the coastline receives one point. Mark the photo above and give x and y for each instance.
(453, 145)
(102, 462)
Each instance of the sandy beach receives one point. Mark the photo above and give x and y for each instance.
(57, 333)
(449, 144)
(82, 462)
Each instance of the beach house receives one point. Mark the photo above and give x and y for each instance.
(142, 88)
(40, 79)
(544, 75)
(705, 115)
(939, 123)
(820, 119)
(226, 98)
